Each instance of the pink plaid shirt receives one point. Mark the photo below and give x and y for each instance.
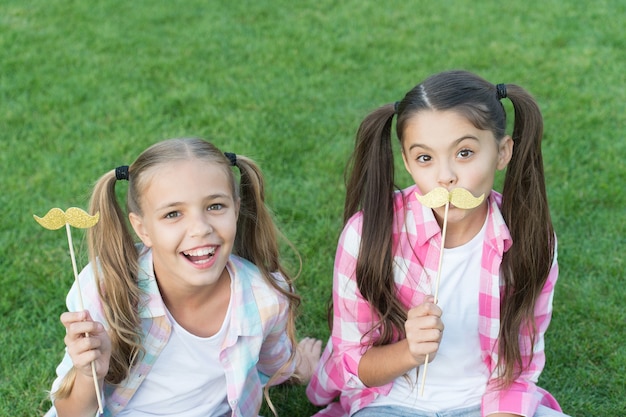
(255, 347)
(416, 243)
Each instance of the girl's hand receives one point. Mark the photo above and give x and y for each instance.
(308, 354)
(382, 364)
(85, 349)
(424, 329)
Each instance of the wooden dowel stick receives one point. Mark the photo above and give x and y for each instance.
(443, 242)
(82, 307)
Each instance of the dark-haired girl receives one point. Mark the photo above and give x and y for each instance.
(484, 336)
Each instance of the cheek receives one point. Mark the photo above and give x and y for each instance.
(483, 178)
(228, 226)
(165, 237)
(233, 229)
(423, 178)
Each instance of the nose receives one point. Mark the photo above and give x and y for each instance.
(446, 175)
(200, 226)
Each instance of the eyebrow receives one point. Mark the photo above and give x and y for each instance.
(455, 143)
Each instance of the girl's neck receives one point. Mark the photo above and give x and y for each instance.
(459, 233)
(200, 311)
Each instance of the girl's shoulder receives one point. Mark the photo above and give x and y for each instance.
(249, 274)
(243, 267)
(252, 293)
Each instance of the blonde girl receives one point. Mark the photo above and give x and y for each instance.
(196, 318)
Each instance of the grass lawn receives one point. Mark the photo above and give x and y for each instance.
(86, 86)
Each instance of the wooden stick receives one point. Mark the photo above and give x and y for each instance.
(443, 242)
(437, 197)
(82, 307)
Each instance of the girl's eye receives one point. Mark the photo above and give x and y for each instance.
(465, 153)
(423, 158)
(216, 206)
(172, 215)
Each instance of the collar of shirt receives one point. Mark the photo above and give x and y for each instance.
(497, 233)
(242, 295)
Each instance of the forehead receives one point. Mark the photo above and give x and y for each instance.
(438, 124)
(185, 179)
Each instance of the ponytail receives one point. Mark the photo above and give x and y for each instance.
(256, 235)
(370, 188)
(526, 266)
(112, 249)
(113, 255)
(257, 240)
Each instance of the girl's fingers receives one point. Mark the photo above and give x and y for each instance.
(308, 355)
(82, 355)
(419, 323)
(77, 324)
(310, 345)
(427, 308)
(424, 329)
(83, 327)
(87, 342)
(424, 335)
(72, 317)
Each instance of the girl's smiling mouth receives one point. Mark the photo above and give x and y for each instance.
(200, 256)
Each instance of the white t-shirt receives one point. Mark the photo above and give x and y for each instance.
(187, 379)
(457, 377)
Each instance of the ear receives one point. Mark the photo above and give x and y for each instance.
(140, 229)
(406, 163)
(505, 152)
(237, 207)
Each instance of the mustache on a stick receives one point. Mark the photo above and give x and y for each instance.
(57, 218)
(460, 198)
(73, 216)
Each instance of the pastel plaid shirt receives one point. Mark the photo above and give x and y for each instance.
(416, 243)
(255, 347)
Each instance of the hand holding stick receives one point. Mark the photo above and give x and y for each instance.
(460, 198)
(73, 216)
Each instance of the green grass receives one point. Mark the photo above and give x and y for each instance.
(86, 86)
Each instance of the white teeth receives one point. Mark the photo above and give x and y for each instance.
(200, 252)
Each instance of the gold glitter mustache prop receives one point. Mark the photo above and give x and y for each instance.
(73, 216)
(460, 198)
